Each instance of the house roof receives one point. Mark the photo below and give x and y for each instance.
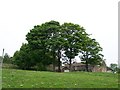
(76, 64)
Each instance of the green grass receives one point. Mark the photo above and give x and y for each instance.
(13, 78)
(0, 78)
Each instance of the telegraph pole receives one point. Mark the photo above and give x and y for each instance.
(3, 53)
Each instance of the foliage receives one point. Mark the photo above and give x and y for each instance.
(27, 58)
(23, 58)
(50, 41)
(113, 67)
(7, 58)
(118, 70)
(91, 52)
(73, 37)
(46, 37)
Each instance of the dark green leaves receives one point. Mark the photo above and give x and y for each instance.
(47, 42)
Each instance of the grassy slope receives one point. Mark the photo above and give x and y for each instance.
(0, 78)
(35, 79)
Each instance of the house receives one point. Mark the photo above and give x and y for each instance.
(82, 67)
(100, 68)
(109, 69)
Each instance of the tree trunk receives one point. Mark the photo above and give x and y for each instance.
(70, 65)
(54, 57)
(87, 66)
(59, 63)
(53, 66)
(70, 61)
(86, 57)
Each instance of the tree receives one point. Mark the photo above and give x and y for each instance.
(73, 36)
(26, 58)
(113, 67)
(7, 58)
(48, 41)
(23, 58)
(55, 42)
(91, 52)
(46, 37)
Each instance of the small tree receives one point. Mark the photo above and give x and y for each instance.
(113, 67)
(7, 59)
(23, 58)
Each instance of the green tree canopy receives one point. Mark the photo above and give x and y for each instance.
(91, 52)
(73, 38)
(48, 41)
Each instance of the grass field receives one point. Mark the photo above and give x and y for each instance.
(13, 78)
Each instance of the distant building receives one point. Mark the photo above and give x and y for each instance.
(109, 69)
(82, 67)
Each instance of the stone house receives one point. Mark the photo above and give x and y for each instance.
(82, 67)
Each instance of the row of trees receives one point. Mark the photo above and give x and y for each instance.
(9, 60)
(50, 41)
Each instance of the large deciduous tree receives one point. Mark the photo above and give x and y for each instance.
(73, 37)
(46, 37)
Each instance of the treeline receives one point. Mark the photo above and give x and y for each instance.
(52, 43)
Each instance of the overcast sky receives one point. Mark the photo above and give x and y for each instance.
(98, 17)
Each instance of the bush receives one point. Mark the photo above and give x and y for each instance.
(118, 70)
(40, 67)
(9, 66)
